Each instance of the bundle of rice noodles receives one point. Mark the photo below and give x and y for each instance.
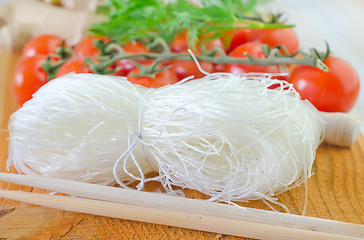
(234, 138)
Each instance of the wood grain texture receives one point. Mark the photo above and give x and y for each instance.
(336, 191)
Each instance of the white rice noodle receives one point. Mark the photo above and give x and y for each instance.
(234, 138)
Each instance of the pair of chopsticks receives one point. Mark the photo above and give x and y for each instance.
(177, 211)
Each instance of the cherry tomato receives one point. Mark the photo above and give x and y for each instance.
(185, 69)
(28, 78)
(276, 37)
(165, 77)
(76, 65)
(238, 37)
(334, 91)
(42, 45)
(254, 49)
(86, 47)
(126, 65)
(179, 44)
(272, 37)
(135, 47)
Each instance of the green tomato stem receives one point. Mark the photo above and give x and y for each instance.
(272, 59)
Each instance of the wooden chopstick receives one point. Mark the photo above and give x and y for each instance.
(176, 211)
(222, 224)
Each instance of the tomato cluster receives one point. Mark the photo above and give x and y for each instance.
(332, 91)
(29, 75)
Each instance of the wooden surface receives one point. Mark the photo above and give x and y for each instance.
(336, 191)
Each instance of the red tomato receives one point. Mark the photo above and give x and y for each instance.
(126, 65)
(334, 91)
(42, 45)
(76, 65)
(185, 69)
(29, 77)
(254, 49)
(165, 77)
(179, 44)
(86, 47)
(272, 37)
(275, 37)
(238, 37)
(135, 47)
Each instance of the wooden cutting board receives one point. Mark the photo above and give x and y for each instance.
(335, 191)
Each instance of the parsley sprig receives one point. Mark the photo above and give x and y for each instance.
(146, 20)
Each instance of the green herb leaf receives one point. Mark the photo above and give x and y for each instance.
(147, 20)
